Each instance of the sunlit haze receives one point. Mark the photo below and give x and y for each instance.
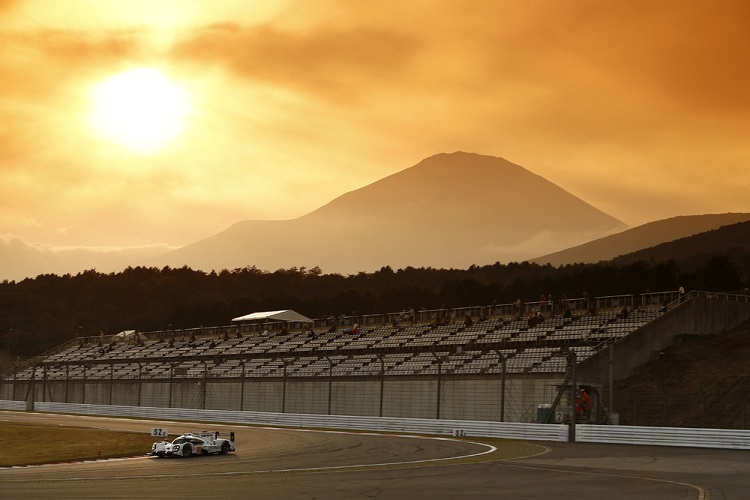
(151, 125)
(139, 109)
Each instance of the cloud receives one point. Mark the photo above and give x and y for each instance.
(7, 5)
(337, 63)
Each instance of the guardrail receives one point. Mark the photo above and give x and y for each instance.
(12, 405)
(585, 433)
(507, 430)
(664, 436)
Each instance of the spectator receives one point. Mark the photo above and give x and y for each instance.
(583, 405)
(624, 313)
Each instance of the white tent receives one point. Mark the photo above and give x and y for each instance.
(285, 315)
(125, 334)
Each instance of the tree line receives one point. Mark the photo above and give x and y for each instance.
(37, 314)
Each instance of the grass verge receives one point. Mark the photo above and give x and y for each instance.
(29, 444)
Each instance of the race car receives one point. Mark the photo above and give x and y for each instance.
(194, 443)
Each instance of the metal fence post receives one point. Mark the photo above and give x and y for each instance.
(572, 427)
(242, 386)
(205, 382)
(382, 381)
(67, 381)
(503, 367)
(171, 382)
(83, 387)
(44, 383)
(612, 379)
(330, 383)
(140, 367)
(439, 381)
(111, 381)
(283, 388)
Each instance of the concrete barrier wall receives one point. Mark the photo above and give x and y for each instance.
(697, 316)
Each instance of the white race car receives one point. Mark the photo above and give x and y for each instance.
(189, 444)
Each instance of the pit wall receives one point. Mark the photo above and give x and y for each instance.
(696, 316)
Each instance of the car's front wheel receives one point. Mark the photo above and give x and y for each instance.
(187, 450)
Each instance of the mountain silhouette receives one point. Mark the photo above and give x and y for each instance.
(732, 241)
(449, 210)
(641, 237)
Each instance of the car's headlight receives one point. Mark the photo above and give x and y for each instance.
(175, 447)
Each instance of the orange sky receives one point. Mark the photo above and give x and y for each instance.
(640, 108)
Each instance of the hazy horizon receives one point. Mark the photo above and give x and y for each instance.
(139, 127)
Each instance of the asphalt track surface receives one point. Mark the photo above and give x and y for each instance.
(294, 463)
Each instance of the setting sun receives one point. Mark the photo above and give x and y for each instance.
(140, 109)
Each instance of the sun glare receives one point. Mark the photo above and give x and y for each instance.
(140, 109)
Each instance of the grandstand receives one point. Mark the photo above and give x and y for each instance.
(481, 363)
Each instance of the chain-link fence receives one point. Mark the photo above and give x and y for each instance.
(668, 406)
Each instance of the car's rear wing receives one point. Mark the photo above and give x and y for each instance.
(214, 435)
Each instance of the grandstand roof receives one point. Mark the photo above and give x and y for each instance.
(284, 315)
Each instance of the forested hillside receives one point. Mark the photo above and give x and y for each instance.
(38, 314)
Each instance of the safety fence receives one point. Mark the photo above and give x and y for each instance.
(725, 407)
(586, 433)
(437, 396)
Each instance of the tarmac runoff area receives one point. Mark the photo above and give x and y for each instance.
(297, 463)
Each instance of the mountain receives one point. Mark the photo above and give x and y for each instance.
(732, 241)
(641, 237)
(449, 210)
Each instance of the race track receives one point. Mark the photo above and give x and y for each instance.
(293, 463)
